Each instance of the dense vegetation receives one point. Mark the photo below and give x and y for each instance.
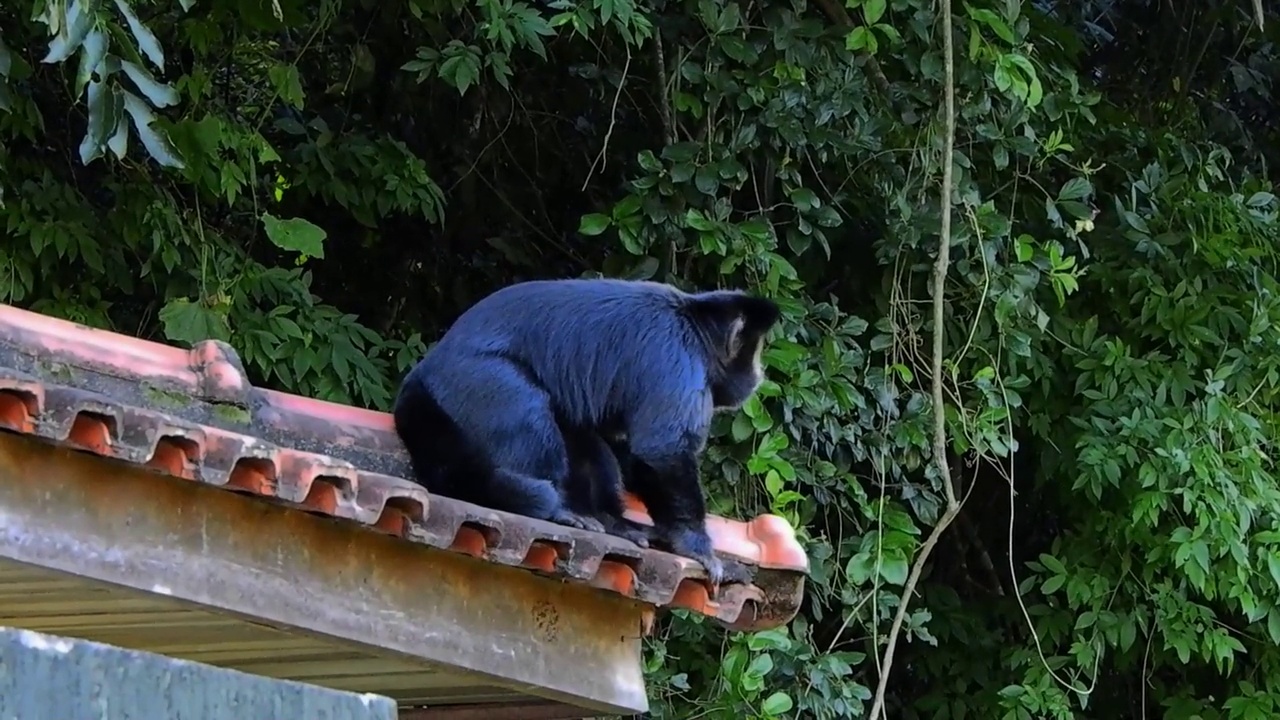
(327, 184)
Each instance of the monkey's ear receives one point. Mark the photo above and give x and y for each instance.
(758, 314)
(717, 309)
(733, 311)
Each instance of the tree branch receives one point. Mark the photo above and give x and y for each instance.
(939, 410)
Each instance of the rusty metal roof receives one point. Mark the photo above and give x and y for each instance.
(193, 414)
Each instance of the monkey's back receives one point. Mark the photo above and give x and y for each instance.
(595, 345)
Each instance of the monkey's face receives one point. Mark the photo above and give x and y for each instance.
(742, 374)
(740, 323)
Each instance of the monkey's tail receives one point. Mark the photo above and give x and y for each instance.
(446, 461)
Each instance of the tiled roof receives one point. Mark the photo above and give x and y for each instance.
(193, 414)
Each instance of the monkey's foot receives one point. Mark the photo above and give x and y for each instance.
(625, 529)
(735, 573)
(574, 520)
(695, 544)
(723, 571)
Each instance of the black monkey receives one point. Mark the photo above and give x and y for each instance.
(482, 414)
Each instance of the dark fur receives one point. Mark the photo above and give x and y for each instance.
(526, 378)
(597, 472)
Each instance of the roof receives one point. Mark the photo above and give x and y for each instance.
(193, 414)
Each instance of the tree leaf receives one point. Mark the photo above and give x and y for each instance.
(160, 94)
(92, 51)
(102, 121)
(461, 69)
(295, 235)
(79, 20)
(288, 84)
(857, 39)
(594, 224)
(873, 10)
(894, 568)
(119, 141)
(192, 322)
(146, 39)
(1257, 200)
(1075, 189)
(777, 704)
(993, 21)
(155, 141)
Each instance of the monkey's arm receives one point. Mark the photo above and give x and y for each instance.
(672, 493)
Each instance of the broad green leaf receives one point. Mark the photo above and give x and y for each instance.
(694, 218)
(155, 141)
(627, 206)
(1028, 80)
(1075, 189)
(192, 322)
(594, 224)
(78, 21)
(118, 143)
(993, 21)
(805, 199)
(102, 121)
(873, 10)
(1035, 93)
(295, 235)
(1002, 77)
(160, 94)
(146, 39)
(92, 53)
(461, 68)
(1257, 200)
(889, 32)
(860, 567)
(894, 568)
(1273, 565)
(857, 39)
(1025, 249)
(777, 704)
(287, 83)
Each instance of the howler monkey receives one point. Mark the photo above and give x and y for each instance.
(485, 414)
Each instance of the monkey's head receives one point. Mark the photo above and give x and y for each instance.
(734, 325)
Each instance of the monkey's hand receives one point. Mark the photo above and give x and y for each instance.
(695, 544)
(573, 519)
(625, 529)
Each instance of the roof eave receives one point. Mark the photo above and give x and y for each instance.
(105, 521)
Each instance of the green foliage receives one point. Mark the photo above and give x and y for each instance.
(1112, 312)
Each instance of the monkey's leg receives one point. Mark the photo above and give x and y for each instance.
(549, 505)
(510, 419)
(595, 485)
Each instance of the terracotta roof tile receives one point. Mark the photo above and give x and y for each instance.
(193, 414)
